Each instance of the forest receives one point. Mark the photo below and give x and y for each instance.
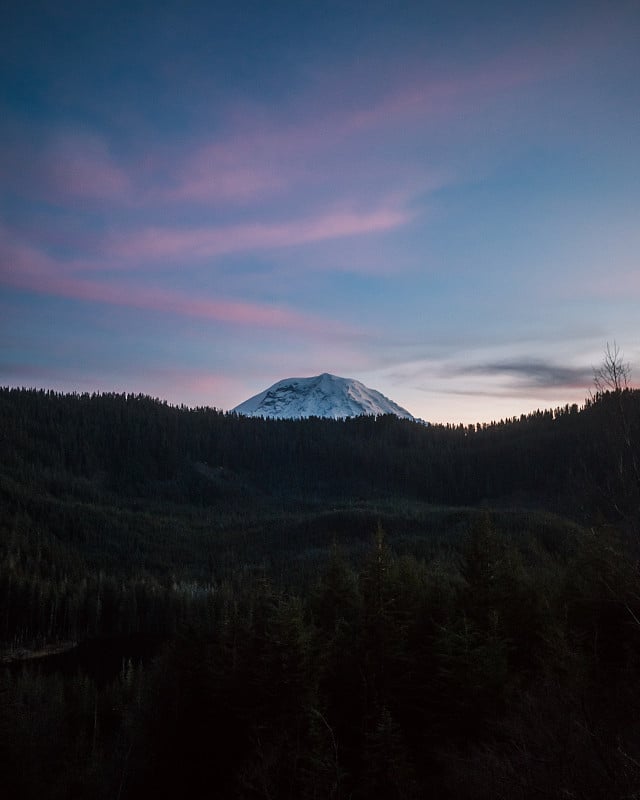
(199, 604)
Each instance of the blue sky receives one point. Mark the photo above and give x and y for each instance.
(441, 200)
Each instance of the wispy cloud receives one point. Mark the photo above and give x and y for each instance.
(254, 155)
(321, 139)
(164, 243)
(81, 166)
(533, 373)
(24, 267)
(64, 167)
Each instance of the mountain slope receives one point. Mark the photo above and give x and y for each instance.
(321, 396)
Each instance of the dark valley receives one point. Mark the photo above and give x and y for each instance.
(195, 603)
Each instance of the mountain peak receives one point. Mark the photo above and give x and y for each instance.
(324, 395)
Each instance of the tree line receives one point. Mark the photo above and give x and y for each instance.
(139, 447)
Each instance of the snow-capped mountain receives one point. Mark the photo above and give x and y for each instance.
(321, 396)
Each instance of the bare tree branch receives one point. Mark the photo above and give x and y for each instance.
(614, 374)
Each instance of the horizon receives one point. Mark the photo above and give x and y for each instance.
(438, 200)
(581, 406)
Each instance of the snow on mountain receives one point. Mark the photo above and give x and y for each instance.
(321, 396)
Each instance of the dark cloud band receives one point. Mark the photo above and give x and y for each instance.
(534, 373)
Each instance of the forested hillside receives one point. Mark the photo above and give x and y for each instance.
(312, 609)
(135, 446)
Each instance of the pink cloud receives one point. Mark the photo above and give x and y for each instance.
(224, 172)
(24, 267)
(65, 166)
(262, 158)
(317, 139)
(198, 243)
(81, 166)
(256, 156)
(418, 93)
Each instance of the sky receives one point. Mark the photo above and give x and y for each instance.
(439, 199)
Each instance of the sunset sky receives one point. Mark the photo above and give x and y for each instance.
(439, 199)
